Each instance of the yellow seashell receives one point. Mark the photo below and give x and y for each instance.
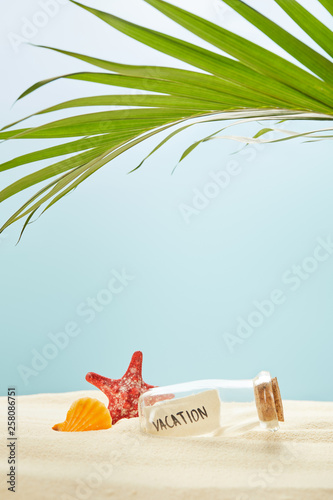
(85, 414)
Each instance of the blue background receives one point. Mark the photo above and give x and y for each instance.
(191, 281)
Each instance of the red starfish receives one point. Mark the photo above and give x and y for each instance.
(123, 393)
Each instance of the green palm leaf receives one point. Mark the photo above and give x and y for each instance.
(250, 54)
(304, 54)
(310, 24)
(328, 5)
(254, 83)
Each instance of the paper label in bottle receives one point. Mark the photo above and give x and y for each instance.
(189, 416)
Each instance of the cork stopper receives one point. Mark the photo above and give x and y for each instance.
(278, 400)
(268, 399)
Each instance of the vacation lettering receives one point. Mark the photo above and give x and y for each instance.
(188, 416)
(184, 417)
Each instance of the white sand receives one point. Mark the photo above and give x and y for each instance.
(122, 463)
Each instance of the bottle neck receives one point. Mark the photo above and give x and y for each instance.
(268, 401)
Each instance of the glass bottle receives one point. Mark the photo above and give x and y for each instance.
(212, 407)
